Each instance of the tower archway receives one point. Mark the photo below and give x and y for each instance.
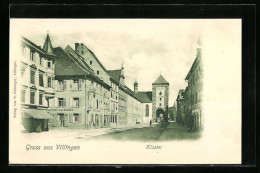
(159, 115)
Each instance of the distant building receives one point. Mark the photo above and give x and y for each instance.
(180, 107)
(37, 75)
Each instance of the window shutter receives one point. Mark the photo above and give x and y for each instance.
(64, 85)
(66, 120)
(56, 104)
(70, 117)
(80, 84)
(71, 84)
(71, 102)
(80, 118)
(55, 84)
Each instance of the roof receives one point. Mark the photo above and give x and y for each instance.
(115, 74)
(160, 80)
(194, 64)
(92, 53)
(66, 65)
(37, 114)
(33, 44)
(47, 47)
(144, 96)
(78, 58)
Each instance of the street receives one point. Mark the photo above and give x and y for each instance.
(157, 132)
(140, 132)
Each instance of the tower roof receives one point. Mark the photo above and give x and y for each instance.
(160, 80)
(47, 47)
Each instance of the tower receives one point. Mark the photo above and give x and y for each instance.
(160, 98)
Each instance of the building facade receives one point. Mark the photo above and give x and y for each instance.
(189, 100)
(194, 91)
(37, 92)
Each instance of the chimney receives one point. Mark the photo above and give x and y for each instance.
(76, 46)
(135, 87)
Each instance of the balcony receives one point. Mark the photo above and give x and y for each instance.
(49, 70)
(49, 93)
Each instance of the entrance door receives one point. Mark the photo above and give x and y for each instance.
(61, 119)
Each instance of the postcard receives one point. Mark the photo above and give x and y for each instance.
(125, 91)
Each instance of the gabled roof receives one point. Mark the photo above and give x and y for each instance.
(47, 47)
(160, 80)
(78, 58)
(92, 53)
(144, 96)
(115, 74)
(66, 65)
(38, 48)
(194, 64)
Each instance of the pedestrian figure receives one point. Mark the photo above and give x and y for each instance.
(150, 123)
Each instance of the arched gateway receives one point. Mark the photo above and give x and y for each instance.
(159, 115)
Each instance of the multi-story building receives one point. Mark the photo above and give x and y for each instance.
(82, 99)
(37, 75)
(100, 71)
(194, 78)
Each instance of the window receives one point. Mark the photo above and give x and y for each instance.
(75, 85)
(40, 99)
(62, 102)
(32, 76)
(147, 110)
(90, 62)
(75, 118)
(160, 93)
(97, 104)
(23, 96)
(49, 81)
(60, 86)
(32, 56)
(82, 52)
(160, 104)
(41, 80)
(32, 97)
(75, 102)
(160, 99)
(49, 64)
(98, 72)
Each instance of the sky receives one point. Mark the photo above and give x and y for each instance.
(145, 47)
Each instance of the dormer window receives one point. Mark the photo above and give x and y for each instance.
(90, 62)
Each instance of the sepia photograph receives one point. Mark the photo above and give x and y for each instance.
(125, 91)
